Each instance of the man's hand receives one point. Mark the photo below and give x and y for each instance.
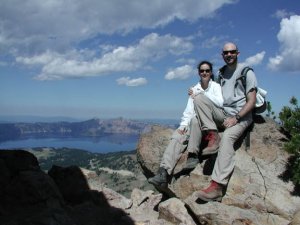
(230, 122)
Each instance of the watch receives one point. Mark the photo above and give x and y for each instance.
(238, 117)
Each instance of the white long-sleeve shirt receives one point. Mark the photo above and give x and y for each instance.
(213, 92)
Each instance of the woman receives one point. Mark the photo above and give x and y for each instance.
(189, 129)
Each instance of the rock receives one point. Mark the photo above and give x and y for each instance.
(174, 211)
(151, 148)
(219, 213)
(143, 209)
(296, 218)
(27, 193)
(113, 198)
(67, 196)
(30, 196)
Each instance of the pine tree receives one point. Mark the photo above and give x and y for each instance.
(290, 119)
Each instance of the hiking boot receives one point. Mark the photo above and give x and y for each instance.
(160, 179)
(213, 193)
(191, 161)
(213, 139)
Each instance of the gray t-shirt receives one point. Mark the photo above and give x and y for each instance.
(233, 90)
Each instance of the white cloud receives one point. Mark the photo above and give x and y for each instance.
(181, 73)
(255, 60)
(58, 24)
(132, 82)
(282, 13)
(213, 42)
(41, 59)
(289, 38)
(82, 63)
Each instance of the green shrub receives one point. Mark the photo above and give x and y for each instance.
(290, 120)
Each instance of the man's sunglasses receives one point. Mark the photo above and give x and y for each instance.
(231, 52)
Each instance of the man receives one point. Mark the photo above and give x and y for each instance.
(235, 118)
(189, 130)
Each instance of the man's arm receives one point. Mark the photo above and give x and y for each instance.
(250, 104)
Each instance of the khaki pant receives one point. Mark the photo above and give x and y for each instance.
(178, 143)
(211, 118)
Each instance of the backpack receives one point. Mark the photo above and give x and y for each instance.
(261, 104)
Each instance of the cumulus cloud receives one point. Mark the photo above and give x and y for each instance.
(38, 25)
(40, 59)
(282, 13)
(180, 73)
(255, 60)
(213, 42)
(289, 53)
(82, 63)
(132, 82)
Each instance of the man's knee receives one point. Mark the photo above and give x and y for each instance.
(233, 134)
(230, 136)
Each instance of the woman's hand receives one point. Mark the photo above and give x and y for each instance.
(181, 131)
(190, 91)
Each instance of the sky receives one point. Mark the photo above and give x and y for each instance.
(137, 58)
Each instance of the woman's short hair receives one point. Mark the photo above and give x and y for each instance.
(210, 67)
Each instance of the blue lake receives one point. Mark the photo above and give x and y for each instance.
(110, 143)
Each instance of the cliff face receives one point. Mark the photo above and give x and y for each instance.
(258, 193)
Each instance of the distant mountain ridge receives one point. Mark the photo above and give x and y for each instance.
(34, 119)
(89, 128)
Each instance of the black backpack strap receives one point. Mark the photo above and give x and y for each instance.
(243, 76)
(220, 75)
(222, 69)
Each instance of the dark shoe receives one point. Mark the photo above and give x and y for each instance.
(213, 139)
(213, 193)
(191, 162)
(160, 179)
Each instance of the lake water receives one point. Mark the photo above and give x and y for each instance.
(110, 143)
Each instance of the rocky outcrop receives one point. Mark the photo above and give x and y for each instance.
(30, 196)
(257, 192)
(67, 196)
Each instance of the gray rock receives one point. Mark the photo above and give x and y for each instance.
(174, 211)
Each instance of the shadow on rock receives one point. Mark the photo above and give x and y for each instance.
(287, 175)
(29, 196)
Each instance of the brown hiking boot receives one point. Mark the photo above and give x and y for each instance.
(213, 139)
(213, 193)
